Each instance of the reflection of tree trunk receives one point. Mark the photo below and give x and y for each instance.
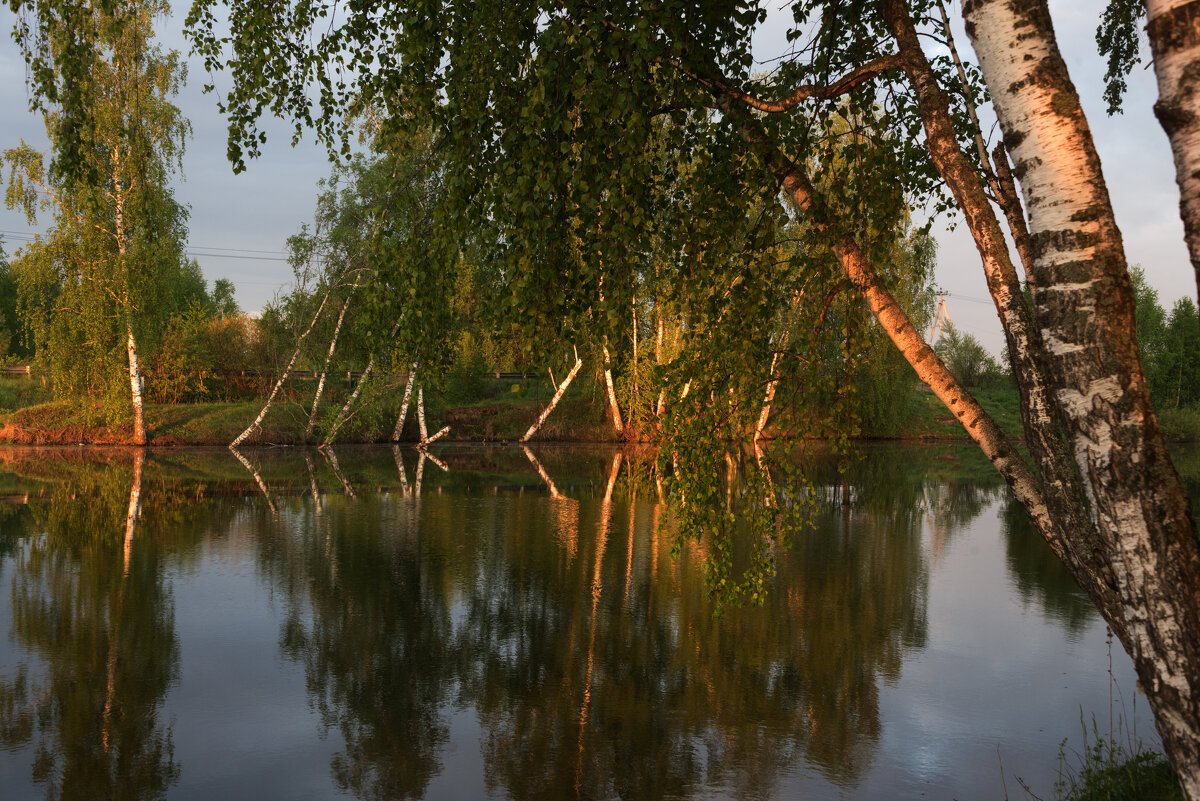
(629, 551)
(562, 388)
(287, 371)
(135, 504)
(541, 471)
(598, 561)
(312, 480)
(332, 459)
(400, 469)
(262, 485)
(412, 374)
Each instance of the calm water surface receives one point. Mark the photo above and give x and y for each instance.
(302, 627)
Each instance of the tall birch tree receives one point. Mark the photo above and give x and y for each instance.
(101, 283)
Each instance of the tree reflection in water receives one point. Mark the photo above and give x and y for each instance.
(89, 600)
(551, 608)
(593, 661)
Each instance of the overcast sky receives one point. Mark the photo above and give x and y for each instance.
(239, 223)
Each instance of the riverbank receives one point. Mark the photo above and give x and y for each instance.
(28, 418)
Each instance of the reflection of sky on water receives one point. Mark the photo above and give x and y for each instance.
(990, 669)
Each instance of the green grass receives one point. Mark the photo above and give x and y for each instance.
(1107, 770)
(17, 392)
(930, 419)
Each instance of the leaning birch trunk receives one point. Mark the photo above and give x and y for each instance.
(344, 413)
(768, 398)
(1174, 30)
(135, 385)
(562, 388)
(412, 374)
(337, 330)
(287, 371)
(612, 395)
(1085, 307)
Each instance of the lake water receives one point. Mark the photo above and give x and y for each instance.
(307, 627)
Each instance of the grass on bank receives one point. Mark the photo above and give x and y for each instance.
(1109, 770)
(479, 409)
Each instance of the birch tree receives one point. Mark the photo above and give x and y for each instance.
(101, 282)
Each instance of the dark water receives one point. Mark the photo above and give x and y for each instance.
(248, 637)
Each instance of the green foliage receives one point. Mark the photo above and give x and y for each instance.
(1169, 347)
(1117, 37)
(1106, 770)
(112, 267)
(966, 359)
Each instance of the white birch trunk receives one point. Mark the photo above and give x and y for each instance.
(337, 330)
(767, 400)
(441, 433)
(287, 371)
(135, 385)
(344, 413)
(421, 415)
(562, 388)
(614, 410)
(412, 374)
(1085, 309)
(1174, 30)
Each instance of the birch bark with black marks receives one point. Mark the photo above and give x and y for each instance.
(562, 388)
(344, 413)
(1062, 489)
(287, 371)
(1174, 30)
(1085, 308)
(412, 374)
(337, 330)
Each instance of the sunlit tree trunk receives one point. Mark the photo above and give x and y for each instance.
(337, 330)
(1174, 30)
(135, 385)
(1085, 309)
(562, 388)
(287, 371)
(412, 374)
(613, 408)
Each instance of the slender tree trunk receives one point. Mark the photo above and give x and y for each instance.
(633, 404)
(1085, 308)
(135, 384)
(412, 374)
(1062, 485)
(287, 371)
(614, 410)
(344, 413)
(767, 400)
(562, 388)
(337, 330)
(1174, 30)
(421, 414)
